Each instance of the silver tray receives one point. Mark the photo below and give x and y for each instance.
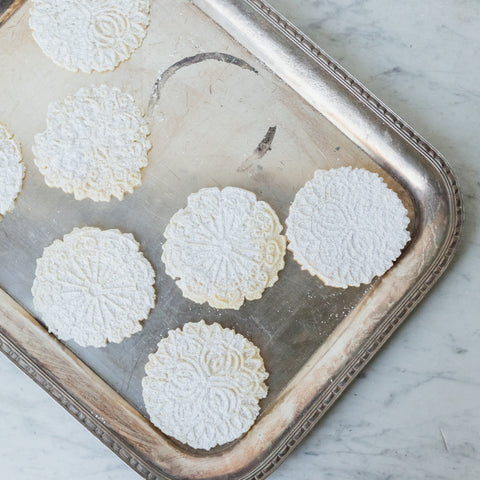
(261, 108)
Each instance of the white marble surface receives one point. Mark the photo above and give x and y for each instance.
(416, 411)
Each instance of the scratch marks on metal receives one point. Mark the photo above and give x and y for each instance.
(186, 62)
(263, 147)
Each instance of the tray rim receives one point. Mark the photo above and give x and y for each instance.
(9, 9)
(26, 362)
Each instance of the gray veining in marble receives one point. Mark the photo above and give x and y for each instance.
(415, 412)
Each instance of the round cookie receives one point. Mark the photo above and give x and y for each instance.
(346, 226)
(12, 170)
(203, 385)
(224, 247)
(94, 287)
(95, 144)
(89, 35)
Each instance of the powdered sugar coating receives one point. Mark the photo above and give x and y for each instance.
(89, 35)
(95, 144)
(346, 226)
(94, 286)
(224, 247)
(12, 170)
(203, 385)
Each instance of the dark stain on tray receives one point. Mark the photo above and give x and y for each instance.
(188, 61)
(263, 147)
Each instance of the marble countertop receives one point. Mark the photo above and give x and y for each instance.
(414, 412)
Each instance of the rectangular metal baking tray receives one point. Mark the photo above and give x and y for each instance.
(260, 107)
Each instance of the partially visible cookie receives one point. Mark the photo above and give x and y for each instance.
(224, 247)
(346, 226)
(93, 287)
(203, 385)
(12, 170)
(95, 144)
(89, 35)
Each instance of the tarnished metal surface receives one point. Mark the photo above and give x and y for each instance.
(262, 120)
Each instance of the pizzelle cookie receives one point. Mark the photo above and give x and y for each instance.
(94, 287)
(95, 144)
(12, 170)
(89, 35)
(346, 226)
(203, 385)
(224, 247)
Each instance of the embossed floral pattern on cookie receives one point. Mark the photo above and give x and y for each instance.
(203, 385)
(94, 286)
(224, 247)
(346, 226)
(12, 170)
(95, 144)
(89, 35)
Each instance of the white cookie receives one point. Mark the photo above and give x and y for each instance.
(203, 385)
(94, 287)
(95, 144)
(346, 226)
(224, 247)
(89, 35)
(12, 170)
